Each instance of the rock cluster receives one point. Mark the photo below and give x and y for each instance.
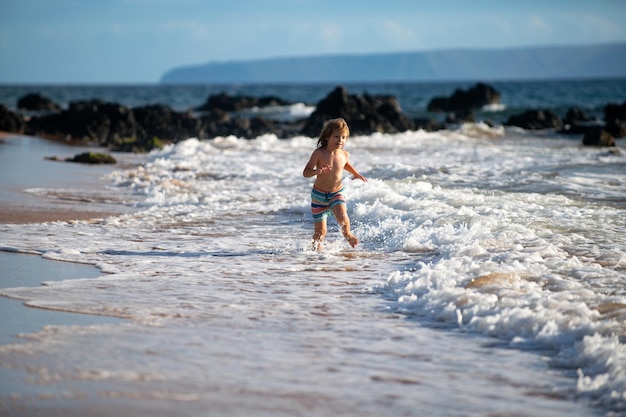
(466, 100)
(140, 129)
(364, 114)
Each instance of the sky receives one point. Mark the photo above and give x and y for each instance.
(137, 41)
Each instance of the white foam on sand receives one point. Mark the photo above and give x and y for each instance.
(487, 239)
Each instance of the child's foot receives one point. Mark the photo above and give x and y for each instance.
(352, 240)
(317, 245)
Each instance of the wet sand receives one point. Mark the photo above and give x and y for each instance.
(36, 190)
(22, 168)
(17, 215)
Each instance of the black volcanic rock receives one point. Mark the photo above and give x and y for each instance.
(536, 120)
(164, 123)
(462, 100)
(615, 118)
(93, 158)
(35, 101)
(576, 122)
(428, 125)
(91, 121)
(613, 111)
(227, 103)
(575, 115)
(11, 122)
(364, 114)
(598, 137)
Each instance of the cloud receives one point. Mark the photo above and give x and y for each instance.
(591, 24)
(331, 33)
(192, 28)
(398, 35)
(536, 23)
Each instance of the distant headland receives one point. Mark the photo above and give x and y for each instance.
(530, 63)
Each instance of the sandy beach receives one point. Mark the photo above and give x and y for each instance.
(18, 215)
(228, 312)
(35, 190)
(22, 168)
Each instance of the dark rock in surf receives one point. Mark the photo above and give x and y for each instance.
(157, 120)
(576, 122)
(92, 121)
(93, 158)
(240, 127)
(222, 118)
(364, 114)
(10, 121)
(536, 120)
(428, 125)
(261, 126)
(35, 101)
(615, 128)
(615, 117)
(461, 116)
(226, 103)
(575, 115)
(614, 111)
(474, 98)
(598, 137)
(116, 126)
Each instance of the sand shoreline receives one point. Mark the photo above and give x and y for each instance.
(28, 270)
(23, 167)
(17, 215)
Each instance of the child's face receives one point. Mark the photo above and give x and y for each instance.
(337, 139)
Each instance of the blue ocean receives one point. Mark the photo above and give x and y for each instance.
(490, 279)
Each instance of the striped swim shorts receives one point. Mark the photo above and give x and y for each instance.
(323, 202)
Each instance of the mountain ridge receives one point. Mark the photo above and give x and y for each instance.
(522, 63)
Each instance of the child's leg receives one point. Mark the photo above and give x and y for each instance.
(319, 233)
(341, 214)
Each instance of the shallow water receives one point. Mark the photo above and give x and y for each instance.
(25, 270)
(489, 281)
(312, 339)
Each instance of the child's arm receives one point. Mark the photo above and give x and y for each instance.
(312, 169)
(355, 174)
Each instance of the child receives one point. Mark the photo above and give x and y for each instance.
(327, 163)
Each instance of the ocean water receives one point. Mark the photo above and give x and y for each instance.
(517, 96)
(490, 280)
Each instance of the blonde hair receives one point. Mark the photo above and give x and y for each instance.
(338, 124)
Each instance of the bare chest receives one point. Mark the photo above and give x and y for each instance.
(335, 160)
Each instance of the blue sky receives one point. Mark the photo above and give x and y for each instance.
(136, 41)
